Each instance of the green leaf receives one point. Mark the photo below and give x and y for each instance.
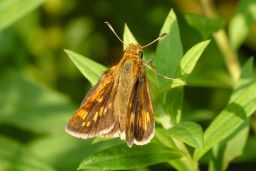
(13, 10)
(190, 59)
(229, 119)
(30, 106)
(205, 26)
(173, 103)
(188, 132)
(74, 149)
(168, 55)
(224, 152)
(128, 37)
(245, 79)
(183, 164)
(14, 156)
(241, 22)
(164, 138)
(89, 68)
(122, 157)
(169, 49)
(229, 149)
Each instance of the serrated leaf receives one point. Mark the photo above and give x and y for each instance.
(241, 22)
(205, 26)
(12, 10)
(122, 157)
(169, 49)
(229, 119)
(189, 132)
(14, 156)
(128, 37)
(89, 68)
(190, 59)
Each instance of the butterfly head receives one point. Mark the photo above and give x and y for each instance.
(134, 50)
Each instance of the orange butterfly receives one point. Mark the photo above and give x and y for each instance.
(119, 104)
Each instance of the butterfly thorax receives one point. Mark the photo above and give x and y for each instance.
(130, 69)
(133, 51)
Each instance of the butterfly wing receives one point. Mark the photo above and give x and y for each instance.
(140, 128)
(95, 117)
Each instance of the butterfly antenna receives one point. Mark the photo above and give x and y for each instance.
(159, 37)
(112, 29)
(168, 78)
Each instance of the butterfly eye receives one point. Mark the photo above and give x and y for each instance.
(141, 54)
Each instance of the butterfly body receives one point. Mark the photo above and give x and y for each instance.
(119, 104)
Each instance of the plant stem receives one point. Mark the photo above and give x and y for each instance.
(223, 43)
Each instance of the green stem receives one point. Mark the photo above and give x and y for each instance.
(186, 161)
(223, 43)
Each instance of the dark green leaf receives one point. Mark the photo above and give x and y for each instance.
(205, 26)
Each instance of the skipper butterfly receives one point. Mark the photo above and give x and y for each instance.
(119, 104)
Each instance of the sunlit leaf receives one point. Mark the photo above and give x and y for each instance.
(190, 58)
(241, 22)
(229, 119)
(169, 49)
(89, 68)
(188, 132)
(12, 10)
(229, 149)
(122, 157)
(128, 37)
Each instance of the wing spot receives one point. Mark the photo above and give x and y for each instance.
(100, 99)
(101, 111)
(83, 124)
(132, 117)
(88, 124)
(147, 117)
(110, 105)
(95, 116)
(105, 111)
(82, 113)
(145, 126)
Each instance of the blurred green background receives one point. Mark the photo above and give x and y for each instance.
(40, 87)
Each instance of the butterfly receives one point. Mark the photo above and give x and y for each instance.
(119, 105)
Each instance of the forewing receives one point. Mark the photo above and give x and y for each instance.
(95, 117)
(140, 129)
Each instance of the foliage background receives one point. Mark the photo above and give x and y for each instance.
(40, 87)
